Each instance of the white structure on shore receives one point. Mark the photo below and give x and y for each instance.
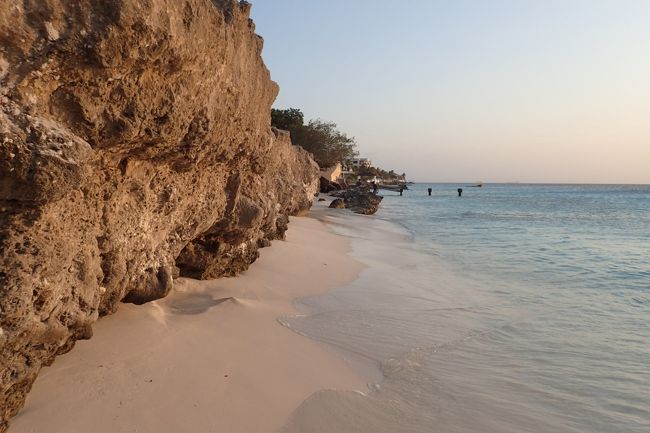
(333, 173)
(359, 163)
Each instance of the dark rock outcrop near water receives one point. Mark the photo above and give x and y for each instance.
(327, 186)
(359, 200)
(337, 203)
(136, 146)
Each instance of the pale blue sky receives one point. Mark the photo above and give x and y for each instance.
(493, 90)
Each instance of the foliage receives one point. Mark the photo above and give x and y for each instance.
(387, 176)
(290, 119)
(322, 139)
(325, 142)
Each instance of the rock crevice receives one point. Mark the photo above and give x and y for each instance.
(135, 146)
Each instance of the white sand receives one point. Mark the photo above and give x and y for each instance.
(210, 358)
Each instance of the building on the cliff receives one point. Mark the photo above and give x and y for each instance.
(356, 163)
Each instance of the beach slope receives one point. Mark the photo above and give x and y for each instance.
(212, 357)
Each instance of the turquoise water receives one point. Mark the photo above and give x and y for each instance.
(516, 308)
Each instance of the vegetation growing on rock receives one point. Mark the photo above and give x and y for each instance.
(322, 139)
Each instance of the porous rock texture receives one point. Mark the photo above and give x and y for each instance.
(135, 146)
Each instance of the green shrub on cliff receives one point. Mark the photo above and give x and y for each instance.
(290, 119)
(322, 139)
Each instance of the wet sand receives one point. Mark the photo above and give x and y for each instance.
(211, 357)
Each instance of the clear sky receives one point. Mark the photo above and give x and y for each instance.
(473, 90)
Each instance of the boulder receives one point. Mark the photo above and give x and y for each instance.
(337, 204)
(327, 186)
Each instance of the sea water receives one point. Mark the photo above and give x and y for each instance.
(515, 308)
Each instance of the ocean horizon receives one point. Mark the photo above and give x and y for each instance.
(208, 221)
(473, 184)
(516, 308)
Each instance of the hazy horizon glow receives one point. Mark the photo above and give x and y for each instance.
(495, 91)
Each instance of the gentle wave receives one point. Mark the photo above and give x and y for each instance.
(516, 308)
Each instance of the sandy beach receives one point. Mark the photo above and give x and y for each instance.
(211, 357)
(232, 216)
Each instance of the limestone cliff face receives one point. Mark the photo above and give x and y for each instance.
(135, 146)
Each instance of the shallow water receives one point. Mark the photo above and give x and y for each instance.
(515, 308)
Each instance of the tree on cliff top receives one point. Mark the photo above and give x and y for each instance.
(322, 139)
(288, 120)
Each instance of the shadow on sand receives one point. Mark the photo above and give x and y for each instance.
(196, 303)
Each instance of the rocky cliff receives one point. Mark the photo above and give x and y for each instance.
(135, 147)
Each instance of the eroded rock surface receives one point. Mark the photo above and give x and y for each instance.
(135, 146)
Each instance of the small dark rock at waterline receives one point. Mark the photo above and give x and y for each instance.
(337, 204)
(359, 200)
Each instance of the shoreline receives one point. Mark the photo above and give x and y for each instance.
(212, 356)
